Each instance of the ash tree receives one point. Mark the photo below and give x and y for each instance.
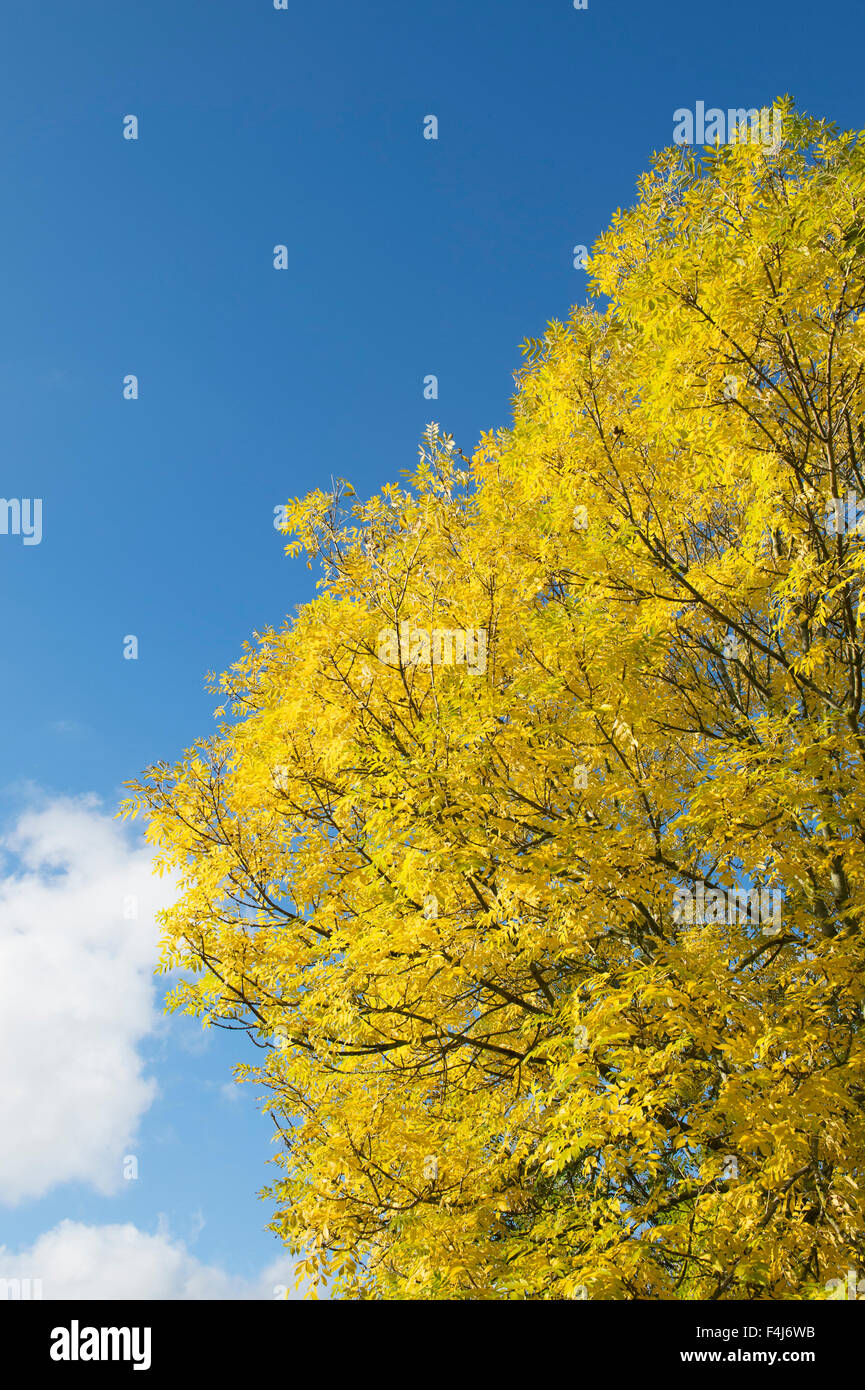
(554, 959)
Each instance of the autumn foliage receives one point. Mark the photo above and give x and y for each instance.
(446, 903)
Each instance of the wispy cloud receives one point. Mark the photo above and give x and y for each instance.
(77, 997)
(77, 1261)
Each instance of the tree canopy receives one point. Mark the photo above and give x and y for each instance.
(531, 852)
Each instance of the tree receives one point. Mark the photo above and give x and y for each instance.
(531, 851)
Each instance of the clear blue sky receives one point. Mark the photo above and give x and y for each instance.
(407, 257)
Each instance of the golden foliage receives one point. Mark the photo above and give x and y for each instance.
(502, 1064)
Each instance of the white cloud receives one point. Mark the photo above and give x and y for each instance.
(77, 1261)
(77, 996)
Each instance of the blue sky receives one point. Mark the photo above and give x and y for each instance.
(407, 257)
